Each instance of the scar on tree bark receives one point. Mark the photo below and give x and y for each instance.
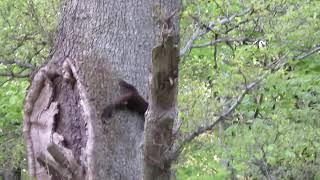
(131, 100)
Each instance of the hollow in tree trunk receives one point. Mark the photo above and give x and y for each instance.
(80, 117)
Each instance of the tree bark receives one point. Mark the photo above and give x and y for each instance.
(97, 44)
(10, 174)
(162, 112)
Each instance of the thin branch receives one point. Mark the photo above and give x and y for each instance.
(229, 19)
(24, 37)
(214, 42)
(11, 74)
(21, 41)
(4, 82)
(259, 100)
(35, 16)
(211, 25)
(262, 163)
(18, 63)
(236, 26)
(176, 149)
(203, 129)
(215, 53)
(244, 77)
(218, 6)
(312, 51)
(188, 46)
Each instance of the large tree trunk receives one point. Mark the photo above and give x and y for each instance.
(98, 43)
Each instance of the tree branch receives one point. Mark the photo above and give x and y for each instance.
(312, 51)
(188, 46)
(5, 81)
(231, 18)
(11, 74)
(203, 129)
(18, 63)
(214, 42)
(236, 26)
(211, 25)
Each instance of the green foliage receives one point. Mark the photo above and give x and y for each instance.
(275, 130)
(26, 33)
(12, 143)
(27, 29)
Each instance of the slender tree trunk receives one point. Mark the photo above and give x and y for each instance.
(98, 43)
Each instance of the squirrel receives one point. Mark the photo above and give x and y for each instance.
(131, 100)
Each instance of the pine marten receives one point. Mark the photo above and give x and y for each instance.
(131, 100)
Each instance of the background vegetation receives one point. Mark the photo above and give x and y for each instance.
(269, 130)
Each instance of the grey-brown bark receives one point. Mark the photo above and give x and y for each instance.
(10, 174)
(162, 105)
(98, 42)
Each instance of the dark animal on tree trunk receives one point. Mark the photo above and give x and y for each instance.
(131, 100)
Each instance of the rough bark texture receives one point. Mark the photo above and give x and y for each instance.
(98, 42)
(162, 105)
